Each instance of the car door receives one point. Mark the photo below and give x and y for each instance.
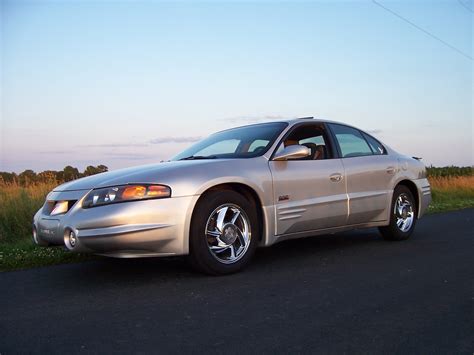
(369, 174)
(309, 193)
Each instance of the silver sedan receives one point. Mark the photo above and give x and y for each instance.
(239, 189)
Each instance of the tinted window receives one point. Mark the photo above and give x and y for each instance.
(377, 148)
(241, 142)
(258, 144)
(351, 142)
(223, 147)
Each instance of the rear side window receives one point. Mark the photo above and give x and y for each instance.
(376, 146)
(350, 141)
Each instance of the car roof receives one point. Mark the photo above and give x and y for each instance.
(292, 121)
(309, 119)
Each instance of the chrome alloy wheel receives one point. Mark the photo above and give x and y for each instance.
(228, 233)
(404, 213)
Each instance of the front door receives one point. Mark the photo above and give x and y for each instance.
(309, 193)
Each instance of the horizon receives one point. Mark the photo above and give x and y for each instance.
(132, 83)
(81, 171)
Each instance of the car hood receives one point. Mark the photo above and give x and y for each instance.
(153, 173)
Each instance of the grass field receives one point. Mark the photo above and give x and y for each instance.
(452, 188)
(452, 193)
(18, 204)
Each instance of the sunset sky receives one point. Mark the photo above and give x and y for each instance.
(126, 83)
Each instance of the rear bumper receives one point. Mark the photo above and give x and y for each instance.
(132, 229)
(424, 195)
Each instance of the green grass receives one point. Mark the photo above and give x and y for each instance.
(23, 254)
(444, 202)
(18, 205)
(451, 193)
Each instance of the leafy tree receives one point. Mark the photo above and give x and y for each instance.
(27, 177)
(102, 168)
(70, 173)
(8, 178)
(60, 176)
(48, 176)
(92, 170)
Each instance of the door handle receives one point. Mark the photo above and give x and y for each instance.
(336, 177)
(390, 170)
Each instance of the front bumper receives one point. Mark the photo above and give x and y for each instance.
(132, 229)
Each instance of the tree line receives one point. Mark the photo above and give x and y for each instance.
(29, 177)
(448, 171)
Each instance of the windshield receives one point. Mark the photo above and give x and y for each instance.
(242, 142)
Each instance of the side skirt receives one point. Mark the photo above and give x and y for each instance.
(313, 233)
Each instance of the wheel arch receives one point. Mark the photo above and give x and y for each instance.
(414, 191)
(245, 190)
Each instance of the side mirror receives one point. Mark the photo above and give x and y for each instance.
(293, 152)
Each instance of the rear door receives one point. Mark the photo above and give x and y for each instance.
(369, 174)
(309, 193)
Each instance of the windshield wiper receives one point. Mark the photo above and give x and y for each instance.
(196, 157)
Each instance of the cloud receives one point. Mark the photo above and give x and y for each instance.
(163, 140)
(56, 152)
(115, 145)
(130, 156)
(158, 140)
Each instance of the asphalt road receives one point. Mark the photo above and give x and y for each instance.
(348, 293)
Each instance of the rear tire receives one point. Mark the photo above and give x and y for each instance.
(403, 214)
(224, 233)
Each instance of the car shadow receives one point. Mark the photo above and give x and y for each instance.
(317, 251)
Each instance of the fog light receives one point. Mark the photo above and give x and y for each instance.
(72, 239)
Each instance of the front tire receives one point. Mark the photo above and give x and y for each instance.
(402, 217)
(224, 233)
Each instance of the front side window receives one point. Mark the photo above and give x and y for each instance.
(312, 136)
(242, 142)
(350, 141)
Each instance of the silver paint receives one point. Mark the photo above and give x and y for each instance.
(319, 197)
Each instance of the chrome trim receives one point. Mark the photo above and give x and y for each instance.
(228, 234)
(404, 213)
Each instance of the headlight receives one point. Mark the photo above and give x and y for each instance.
(60, 207)
(124, 193)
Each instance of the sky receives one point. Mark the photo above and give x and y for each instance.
(126, 83)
